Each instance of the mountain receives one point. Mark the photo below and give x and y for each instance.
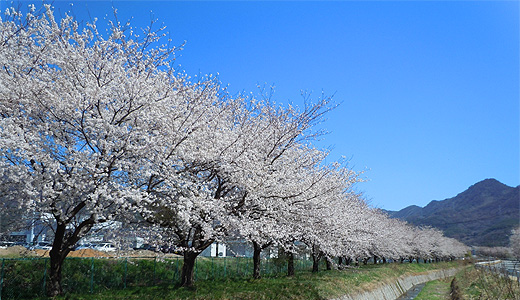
(482, 215)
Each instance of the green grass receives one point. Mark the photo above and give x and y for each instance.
(468, 282)
(86, 278)
(305, 285)
(435, 290)
(479, 284)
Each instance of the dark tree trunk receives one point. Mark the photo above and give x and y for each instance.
(315, 263)
(327, 262)
(188, 269)
(57, 256)
(198, 244)
(256, 260)
(290, 264)
(316, 256)
(62, 245)
(348, 261)
(365, 261)
(384, 260)
(54, 287)
(340, 260)
(375, 260)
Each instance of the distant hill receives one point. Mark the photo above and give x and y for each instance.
(482, 215)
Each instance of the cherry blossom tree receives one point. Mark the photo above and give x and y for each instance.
(78, 116)
(277, 205)
(96, 128)
(282, 177)
(336, 224)
(237, 175)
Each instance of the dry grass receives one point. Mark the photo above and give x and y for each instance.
(487, 284)
(20, 252)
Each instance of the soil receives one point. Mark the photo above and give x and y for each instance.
(19, 251)
(15, 251)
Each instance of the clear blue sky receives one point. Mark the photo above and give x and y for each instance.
(429, 91)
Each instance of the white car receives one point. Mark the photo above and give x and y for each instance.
(42, 246)
(5, 245)
(85, 246)
(107, 247)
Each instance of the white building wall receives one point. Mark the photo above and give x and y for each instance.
(221, 250)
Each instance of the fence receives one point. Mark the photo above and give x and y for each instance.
(509, 268)
(26, 278)
(499, 279)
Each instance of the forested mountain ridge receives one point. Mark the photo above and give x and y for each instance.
(482, 215)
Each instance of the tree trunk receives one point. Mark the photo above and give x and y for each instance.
(256, 260)
(315, 263)
(290, 264)
(375, 260)
(188, 268)
(57, 256)
(340, 260)
(384, 260)
(327, 262)
(61, 246)
(54, 287)
(348, 261)
(316, 256)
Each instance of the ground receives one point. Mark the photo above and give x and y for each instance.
(435, 290)
(19, 251)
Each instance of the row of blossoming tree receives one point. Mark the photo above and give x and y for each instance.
(98, 126)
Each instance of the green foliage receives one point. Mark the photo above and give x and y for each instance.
(26, 278)
(435, 290)
(216, 278)
(23, 278)
(486, 284)
(304, 285)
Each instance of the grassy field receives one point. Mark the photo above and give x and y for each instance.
(305, 285)
(480, 284)
(435, 290)
(472, 283)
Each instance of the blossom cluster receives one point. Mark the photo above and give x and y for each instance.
(96, 128)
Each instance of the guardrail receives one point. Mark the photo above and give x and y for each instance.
(509, 268)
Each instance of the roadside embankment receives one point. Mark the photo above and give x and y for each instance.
(393, 290)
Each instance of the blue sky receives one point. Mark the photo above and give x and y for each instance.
(429, 91)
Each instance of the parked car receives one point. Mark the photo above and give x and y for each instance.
(5, 245)
(108, 247)
(85, 246)
(147, 247)
(41, 246)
